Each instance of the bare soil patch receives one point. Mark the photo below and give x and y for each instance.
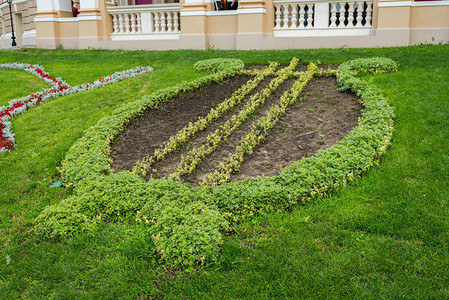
(321, 119)
(148, 132)
(228, 146)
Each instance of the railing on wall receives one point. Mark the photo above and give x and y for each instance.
(320, 17)
(293, 15)
(145, 20)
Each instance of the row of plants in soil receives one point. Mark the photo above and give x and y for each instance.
(189, 162)
(260, 129)
(59, 88)
(79, 164)
(185, 134)
(187, 224)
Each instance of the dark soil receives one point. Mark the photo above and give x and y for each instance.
(211, 163)
(319, 121)
(147, 133)
(169, 164)
(323, 118)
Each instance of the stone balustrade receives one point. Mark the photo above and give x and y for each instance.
(145, 19)
(295, 16)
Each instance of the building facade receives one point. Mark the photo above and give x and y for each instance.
(213, 24)
(23, 13)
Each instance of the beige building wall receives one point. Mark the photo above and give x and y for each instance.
(413, 22)
(59, 29)
(394, 23)
(429, 17)
(429, 24)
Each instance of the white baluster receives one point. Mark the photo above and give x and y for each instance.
(277, 21)
(169, 22)
(126, 23)
(163, 22)
(115, 23)
(139, 22)
(152, 23)
(359, 16)
(306, 15)
(133, 20)
(285, 16)
(176, 22)
(122, 23)
(157, 25)
(130, 23)
(310, 15)
(333, 15)
(356, 13)
(302, 10)
(350, 15)
(341, 9)
(368, 14)
(294, 17)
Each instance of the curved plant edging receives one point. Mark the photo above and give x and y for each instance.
(60, 88)
(186, 223)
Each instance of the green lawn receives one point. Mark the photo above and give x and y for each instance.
(384, 236)
(16, 84)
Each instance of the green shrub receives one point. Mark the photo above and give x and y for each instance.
(185, 231)
(63, 220)
(218, 64)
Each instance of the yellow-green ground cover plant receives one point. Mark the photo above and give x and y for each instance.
(187, 132)
(187, 224)
(214, 139)
(261, 129)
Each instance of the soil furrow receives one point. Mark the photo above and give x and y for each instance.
(169, 163)
(211, 163)
(324, 118)
(147, 133)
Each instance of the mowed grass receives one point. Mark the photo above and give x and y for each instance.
(16, 84)
(384, 236)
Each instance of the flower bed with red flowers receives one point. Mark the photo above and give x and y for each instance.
(59, 88)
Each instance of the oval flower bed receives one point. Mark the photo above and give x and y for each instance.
(185, 223)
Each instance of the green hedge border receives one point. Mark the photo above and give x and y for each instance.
(186, 223)
(89, 156)
(329, 168)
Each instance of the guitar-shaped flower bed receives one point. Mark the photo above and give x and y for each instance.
(186, 223)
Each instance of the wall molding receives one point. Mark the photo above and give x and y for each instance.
(412, 3)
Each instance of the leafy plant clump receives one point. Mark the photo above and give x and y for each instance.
(218, 64)
(85, 167)
(186, 224)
